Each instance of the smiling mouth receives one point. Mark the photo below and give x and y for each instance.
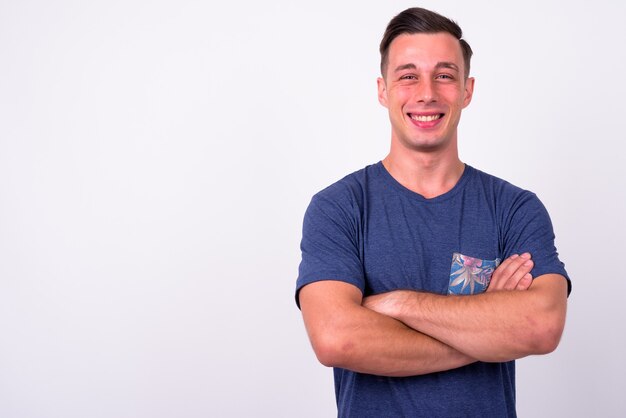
(425, 118)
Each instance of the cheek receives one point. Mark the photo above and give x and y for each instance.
(400, 95)
(453, 93)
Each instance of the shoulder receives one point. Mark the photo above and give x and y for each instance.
(525, 226)
(341, 205)
(520, 213)
(349, 191)
(504, 193)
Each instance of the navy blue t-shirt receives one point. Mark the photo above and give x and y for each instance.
(369, 230)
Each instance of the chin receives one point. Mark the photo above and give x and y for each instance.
(422, 145)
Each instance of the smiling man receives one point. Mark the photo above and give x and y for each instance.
(422, 278)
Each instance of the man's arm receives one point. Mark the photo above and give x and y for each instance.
(345, 334)
(492, 326)
(348, 335)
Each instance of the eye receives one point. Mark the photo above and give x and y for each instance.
(445, 77)
(408, 77)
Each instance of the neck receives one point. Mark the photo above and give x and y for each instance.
(428, 174)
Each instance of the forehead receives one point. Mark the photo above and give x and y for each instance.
(424, 50)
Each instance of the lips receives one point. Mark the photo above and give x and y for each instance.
(425, 120)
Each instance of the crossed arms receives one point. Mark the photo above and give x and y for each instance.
(405, 333)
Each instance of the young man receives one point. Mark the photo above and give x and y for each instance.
(401, 283)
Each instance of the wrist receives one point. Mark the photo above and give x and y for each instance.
(407, 307)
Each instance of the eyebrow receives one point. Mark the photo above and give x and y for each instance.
(449, 65)
(405, 67)
(441, 64)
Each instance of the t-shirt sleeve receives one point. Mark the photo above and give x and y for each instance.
(529, 229)
(330, 249)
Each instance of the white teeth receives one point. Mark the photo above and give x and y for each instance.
(425, 118)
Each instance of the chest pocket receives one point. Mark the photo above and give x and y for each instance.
(470, 275)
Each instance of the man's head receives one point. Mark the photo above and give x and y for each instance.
(418, 20)
(425, 84)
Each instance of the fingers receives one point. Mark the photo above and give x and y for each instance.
(524, 282)
(520, 276)
(513, 273)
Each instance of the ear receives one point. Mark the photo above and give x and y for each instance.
(469, 91)
(382, 91)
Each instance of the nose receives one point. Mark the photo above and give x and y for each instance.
(426, 92)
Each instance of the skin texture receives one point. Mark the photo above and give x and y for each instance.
(345, 334)
(425, 76)
(361, 335)
(404, 333)
(498, 325)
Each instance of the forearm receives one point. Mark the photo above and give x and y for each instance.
(494, 326)
(375, 344)
(350, 336)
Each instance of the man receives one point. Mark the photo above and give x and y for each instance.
(401, 285)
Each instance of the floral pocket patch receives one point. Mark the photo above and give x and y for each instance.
(469, 275)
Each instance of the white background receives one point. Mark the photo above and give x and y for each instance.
(156, 159)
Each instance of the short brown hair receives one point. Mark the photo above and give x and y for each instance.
(418, 20)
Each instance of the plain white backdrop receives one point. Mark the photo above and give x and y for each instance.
(156, 159)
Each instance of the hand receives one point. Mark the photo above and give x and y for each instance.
(512, 274)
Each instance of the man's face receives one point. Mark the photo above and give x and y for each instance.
(425, 89)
